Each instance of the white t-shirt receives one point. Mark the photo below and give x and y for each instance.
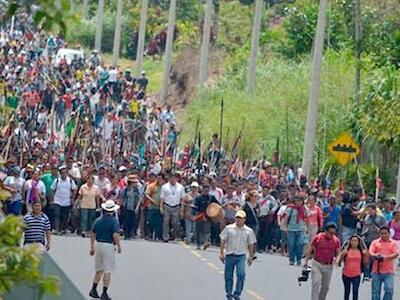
(39, 185)
(16, 183)
(172, 194)
(63, 190)
(108, 129)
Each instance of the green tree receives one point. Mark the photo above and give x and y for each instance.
(20, 265)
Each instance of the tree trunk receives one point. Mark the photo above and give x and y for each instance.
(142, 35)
(117, 32)
(86, 9)
(312, 115)
(168, 50)
(251, 75)
(203, 65)
(99, 25)
(216, 19)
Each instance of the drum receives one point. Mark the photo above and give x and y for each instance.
(215, 212)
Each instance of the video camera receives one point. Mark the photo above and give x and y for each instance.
(304, 275)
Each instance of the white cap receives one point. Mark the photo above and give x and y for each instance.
(194, 184)
(122, 168)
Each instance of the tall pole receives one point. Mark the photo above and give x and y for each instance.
(311, 125)
(251, 76)
(86, 9)
(117, 32)
(203, 66)
(358, 49)
(142, 34)
(168, 50)
(99, 25)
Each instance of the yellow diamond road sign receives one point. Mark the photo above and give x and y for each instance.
(343, 149)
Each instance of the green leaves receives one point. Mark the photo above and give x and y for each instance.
(20, 265)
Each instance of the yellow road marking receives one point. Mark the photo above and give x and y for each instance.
(255, 295)
(212, 266)
(196, 254)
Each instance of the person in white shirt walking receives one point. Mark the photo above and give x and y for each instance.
(63, 196)
(236, 240)
(172, 194)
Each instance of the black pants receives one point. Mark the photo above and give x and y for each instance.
(129, 223)
(348, 282)
(61, 216)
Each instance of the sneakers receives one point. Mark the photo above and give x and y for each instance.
(93, 293)
(206, 245)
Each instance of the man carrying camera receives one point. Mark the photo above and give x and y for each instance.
(324, 247)
(383, 251)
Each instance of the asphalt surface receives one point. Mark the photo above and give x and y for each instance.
(174, 271)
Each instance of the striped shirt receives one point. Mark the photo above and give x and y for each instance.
(36, 228)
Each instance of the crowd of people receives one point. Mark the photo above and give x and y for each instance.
(81, 133)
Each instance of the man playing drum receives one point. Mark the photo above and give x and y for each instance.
(202, 221)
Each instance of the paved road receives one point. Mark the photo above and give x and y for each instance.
(149, 271)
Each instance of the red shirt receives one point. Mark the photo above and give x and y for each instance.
(67, 98)
(325, 248)
(353, 261)
(384, 248)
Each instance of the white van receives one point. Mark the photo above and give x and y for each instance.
(69, 54)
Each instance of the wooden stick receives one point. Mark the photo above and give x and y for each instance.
(358, 173)
(377, 185)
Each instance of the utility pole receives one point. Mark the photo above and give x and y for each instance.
(312, 115)
(86, 9)
(168, 50)
(358, 49)
(203, 65)
(117, 33)
(142, 35)
(251, 75)
(99, 25)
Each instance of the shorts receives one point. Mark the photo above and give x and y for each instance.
(104, 259)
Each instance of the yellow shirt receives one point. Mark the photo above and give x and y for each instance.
(135, 106)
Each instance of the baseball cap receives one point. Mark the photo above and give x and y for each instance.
(240, 214)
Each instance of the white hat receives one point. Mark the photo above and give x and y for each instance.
(122, 169)
(109, 205)
(194, 184)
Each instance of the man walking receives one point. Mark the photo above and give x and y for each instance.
(383, 251)
(37, 229)
(172, 194)
(324, 246)
(236, 240)
(63, 196)
(106, 234)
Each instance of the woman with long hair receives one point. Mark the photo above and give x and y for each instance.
(352, 254)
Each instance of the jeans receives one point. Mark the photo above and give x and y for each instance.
(129, 222)
(320, 280)
(295, 246)
(14, 207)
(232, 261)
(87, 218)
(155, 223)
(388, 281)
(368, 267)
(61, 215)
(348, 282)
(188, 230)
(347, 233)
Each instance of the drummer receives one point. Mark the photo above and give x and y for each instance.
(202, 222)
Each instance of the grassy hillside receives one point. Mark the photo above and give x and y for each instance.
(282, 86)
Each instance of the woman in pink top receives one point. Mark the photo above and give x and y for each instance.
(394, 226)
(352, 255)
(315, 220)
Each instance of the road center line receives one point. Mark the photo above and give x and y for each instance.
(254, 295)
(212, 266)
(196, 254)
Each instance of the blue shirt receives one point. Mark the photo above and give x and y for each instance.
(332, 214)
(104, 227)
